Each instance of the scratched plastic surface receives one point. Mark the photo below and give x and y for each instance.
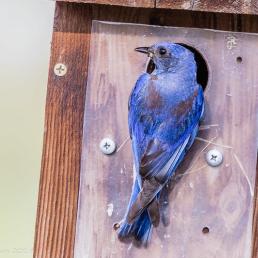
(209, 211)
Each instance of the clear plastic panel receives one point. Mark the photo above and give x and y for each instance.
(210, 210)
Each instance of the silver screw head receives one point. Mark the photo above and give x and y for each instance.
(107, 146)
(214, 157)
(60, 69)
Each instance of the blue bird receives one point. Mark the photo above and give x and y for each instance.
(165, 109)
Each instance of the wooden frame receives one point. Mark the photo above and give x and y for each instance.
(59, 181)
(227, 6)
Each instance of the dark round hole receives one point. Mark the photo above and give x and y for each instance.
(116, 226)
(205, 230)
(202, 68)
(239, 59)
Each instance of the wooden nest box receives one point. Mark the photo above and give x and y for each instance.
(212, 211)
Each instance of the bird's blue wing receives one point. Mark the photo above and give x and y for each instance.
(153, 185)
(160, 140)
(156, 134)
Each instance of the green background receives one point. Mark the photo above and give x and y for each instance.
(26, 28)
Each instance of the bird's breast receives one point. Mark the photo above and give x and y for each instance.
(153, 97)
(166, 92)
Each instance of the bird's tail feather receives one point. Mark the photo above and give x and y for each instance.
(154, 211)
(139, 231)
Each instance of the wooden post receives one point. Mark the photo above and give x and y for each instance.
(65, 105)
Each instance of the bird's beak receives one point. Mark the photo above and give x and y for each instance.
(145, 50)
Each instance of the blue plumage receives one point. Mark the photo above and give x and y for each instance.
(165, 108)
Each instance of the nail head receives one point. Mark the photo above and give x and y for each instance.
(214, 158)
(107, 146)
(60, 69)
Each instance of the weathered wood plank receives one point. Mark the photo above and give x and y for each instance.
(130, 3)
(74, 18)
(60, 161)
(177, 4)
(58, 193)
(221, 199)
(228, 6)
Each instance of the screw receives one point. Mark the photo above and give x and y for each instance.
(214, 158)
(107, 146)
(60, 69)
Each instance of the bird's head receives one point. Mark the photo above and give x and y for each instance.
(166, 55)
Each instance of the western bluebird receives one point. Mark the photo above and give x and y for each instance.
(165, 109)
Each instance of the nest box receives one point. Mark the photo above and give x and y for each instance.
(211, 211)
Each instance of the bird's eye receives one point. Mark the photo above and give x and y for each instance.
(162, 51)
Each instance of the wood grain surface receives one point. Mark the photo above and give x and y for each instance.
(61, 157)
(58, 190)
(226, 6)
(219, 200)
(131, 3)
